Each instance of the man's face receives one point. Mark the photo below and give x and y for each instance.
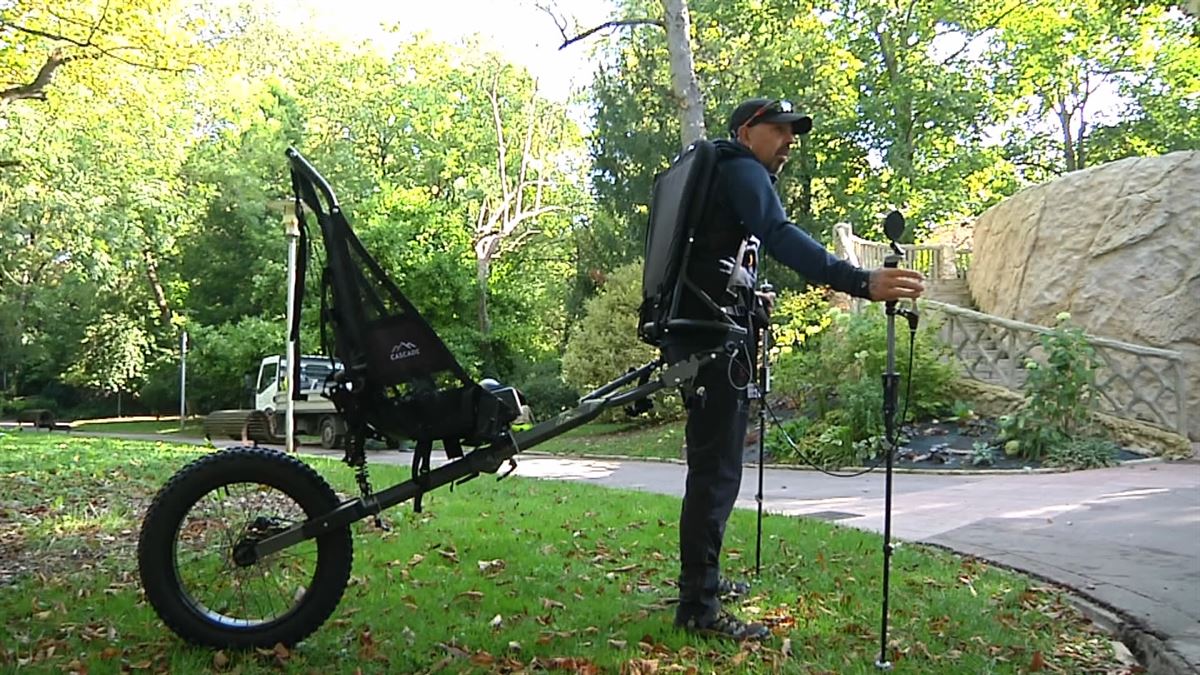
(769, 141)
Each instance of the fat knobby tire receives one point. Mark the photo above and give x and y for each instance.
(156, 548)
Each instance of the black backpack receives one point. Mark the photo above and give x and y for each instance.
(678, 203)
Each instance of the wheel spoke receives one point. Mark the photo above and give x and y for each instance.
(236, 515)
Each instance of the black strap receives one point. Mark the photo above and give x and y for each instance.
(324, 317)
(298, 297)
(420, 470)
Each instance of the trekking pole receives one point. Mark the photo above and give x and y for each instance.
(890, 379)
(764, 386)
(894, 227)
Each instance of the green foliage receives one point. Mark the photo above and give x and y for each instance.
(982, 454)
(113, 356)
(1052, 60)
(604, 344)
(1083, 453)
(544, 389)
(220, 356)
(836, 380)
(907, 99)
(1060, 394)
(143, 180)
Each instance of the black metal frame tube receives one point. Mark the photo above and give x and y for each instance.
(891, 381)
(764, 388)
(487, 459)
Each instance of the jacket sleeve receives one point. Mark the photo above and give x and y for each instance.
(754, 201)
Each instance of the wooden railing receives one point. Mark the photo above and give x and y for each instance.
(1134, 382)
(935, 261)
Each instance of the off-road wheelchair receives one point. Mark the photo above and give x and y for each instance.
(250, 547)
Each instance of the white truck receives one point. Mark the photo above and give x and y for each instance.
(315, 415)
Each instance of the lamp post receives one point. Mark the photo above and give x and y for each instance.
(291, 230)
(183, 345)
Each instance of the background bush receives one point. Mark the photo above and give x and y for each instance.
(544, 390)
(1060, 396)
(604, 344)
(834, 378)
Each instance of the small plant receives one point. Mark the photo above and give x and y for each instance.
(1083, 453)
(1060, 394)
(982, 454)
(834, 446)
(777, 443)
(962, 411)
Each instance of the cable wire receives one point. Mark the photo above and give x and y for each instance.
(912, 337)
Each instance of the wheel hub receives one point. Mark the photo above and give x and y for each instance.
(259, 529)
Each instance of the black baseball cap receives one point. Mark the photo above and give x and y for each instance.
(758, 110)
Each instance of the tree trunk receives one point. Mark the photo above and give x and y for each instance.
(483, 270)
(160, 295)
(483, 273)
(683, 71)
(1064, 121)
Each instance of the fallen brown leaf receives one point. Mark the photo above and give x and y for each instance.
(639, 667)
(579, 666)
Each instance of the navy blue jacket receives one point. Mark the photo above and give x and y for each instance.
(743, 204)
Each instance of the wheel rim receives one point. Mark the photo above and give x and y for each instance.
(224, 521)
(327, 434)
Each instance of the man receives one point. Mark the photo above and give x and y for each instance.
(745, 212)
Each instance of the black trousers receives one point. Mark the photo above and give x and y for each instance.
(715, 437)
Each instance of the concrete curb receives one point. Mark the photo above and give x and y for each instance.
(1147, 647)
(850, 469)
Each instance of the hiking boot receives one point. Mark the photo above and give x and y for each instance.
(726, 626)
(728, 589)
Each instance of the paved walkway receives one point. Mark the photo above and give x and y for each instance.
(1127, 538)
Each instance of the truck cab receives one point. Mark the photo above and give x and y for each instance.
(314, 414)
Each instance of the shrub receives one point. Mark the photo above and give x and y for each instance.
(1060, 394)
(604, 344)
(11, 407)
(220, 356)
(1083, 453)
(544, 389)
(835, 378)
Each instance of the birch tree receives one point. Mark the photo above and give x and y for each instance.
(685, 88)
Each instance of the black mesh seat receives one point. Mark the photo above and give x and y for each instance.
(400, 379)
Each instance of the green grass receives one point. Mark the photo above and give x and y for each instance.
(663, 441)
(581, 584)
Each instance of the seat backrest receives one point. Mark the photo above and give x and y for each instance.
(406, 381)
(374, 323)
